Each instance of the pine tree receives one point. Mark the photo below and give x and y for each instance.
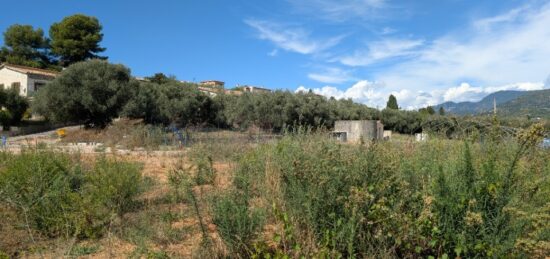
(392, 103)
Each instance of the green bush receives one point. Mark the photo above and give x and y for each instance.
(441, 198)
(14, 106)
(237, 223)
(58, 196)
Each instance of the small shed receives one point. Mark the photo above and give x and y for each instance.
(357, 130)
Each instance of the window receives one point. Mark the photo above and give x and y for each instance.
(38, 85)
(16, 86)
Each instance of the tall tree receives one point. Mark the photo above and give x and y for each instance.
(25, 46)
(392, 103)
(76, 38)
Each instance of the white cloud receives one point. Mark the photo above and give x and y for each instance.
(508, 51)
(273, 53)
(364, 91)
(494, 55)
(507, 17)
(340, 10)
(291, 39)
(463, 93)
(381, 50)
(387, 30)
(375, 94)
(332, 75)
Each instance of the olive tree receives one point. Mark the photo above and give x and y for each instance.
(91, 92)
(170, 102)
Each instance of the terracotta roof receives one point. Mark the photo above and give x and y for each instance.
(30, 70)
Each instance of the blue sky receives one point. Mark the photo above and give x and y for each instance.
(424, 52)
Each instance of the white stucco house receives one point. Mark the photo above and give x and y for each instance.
(27, 80)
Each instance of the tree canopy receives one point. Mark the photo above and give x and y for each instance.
(90, 92)
(170, 102)
(428, 110)
(26, 46)
(76, 38)
(392, 103)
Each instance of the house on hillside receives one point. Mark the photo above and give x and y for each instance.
(212, 84)
(356, 130)
(212, 87)
(254, 89)
(26, 80)
(210, 91)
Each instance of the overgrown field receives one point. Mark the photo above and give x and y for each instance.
(303, 195)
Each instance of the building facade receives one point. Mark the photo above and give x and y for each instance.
(356, 131)
(25, 80)
(255, 89)
(213, 84)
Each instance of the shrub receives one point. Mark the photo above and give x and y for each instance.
(206, 174)
(59, 197)
(237, 223)
(15, 107)
(441, 198)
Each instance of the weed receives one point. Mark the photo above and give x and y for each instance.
(436, 199)
(57, 196)
(237, 223)
(82, 250)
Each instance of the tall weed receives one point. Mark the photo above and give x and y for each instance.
(441, 198)
(58, 196)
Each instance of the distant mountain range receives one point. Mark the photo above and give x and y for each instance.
(509, 103)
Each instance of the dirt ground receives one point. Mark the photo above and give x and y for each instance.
(156, 165)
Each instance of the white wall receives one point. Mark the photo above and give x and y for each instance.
(7, 77)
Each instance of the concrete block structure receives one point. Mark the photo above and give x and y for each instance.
(356, 130)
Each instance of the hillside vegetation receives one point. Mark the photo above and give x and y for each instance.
(484, 106)
(532, 104)
(529, 104)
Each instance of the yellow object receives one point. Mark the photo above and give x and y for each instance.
(61, 133)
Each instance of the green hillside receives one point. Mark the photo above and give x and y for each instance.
(533, 104)
(509, 103)
(483, 106)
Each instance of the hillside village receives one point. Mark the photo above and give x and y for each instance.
(27, 80)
